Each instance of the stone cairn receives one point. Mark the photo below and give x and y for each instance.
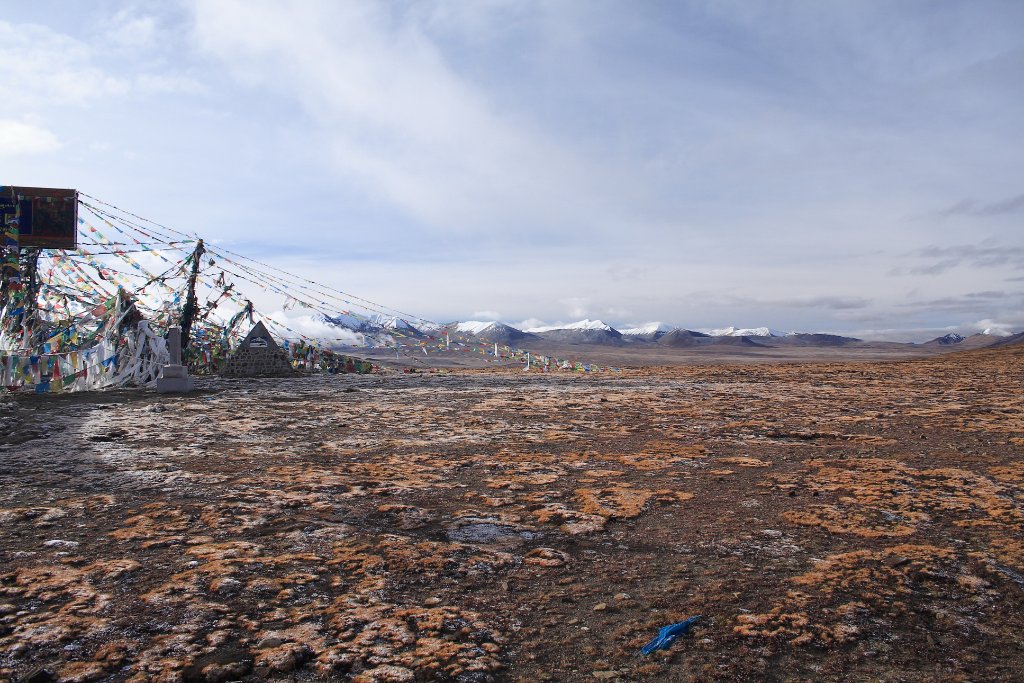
(258, 356)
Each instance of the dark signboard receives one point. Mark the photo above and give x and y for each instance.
(47, 217)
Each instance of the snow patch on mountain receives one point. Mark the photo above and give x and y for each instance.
(475, 326)
(648, 328)
(745, 332)
(579, 325)
(388, 322)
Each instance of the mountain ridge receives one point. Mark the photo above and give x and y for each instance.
(597, 332)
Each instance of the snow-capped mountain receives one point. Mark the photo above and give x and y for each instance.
(979, 340)
(476, 326)
(949, 339)
(372, 330)
(580, 332)
(384, 330)
(394, 323)
(492, 331)
(371, 323)
(745, 332)
(579, 325)
(649, 328)
(646, 333)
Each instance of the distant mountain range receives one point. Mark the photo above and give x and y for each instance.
(595, 332)
(977, 341)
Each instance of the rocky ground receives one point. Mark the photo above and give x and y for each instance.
(830, 521)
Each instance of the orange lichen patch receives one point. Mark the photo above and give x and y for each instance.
(520, 483)
(832, 598)
(233, 517)
(71, 603)
(745, 461)
(602, 474)
(620, 501)
(866, 523)
(496, 502)
(772, 624)
(546, 557)
(661, 454)
(379, 642)
(1008, 551)
(228, 550)
(903, 494)
(425, 559)
(675, 448)
(49, 515)
(156, 524)
(82, 672)
(669, 496)
(390, 472)
(111, 570)
(1011, 474)
(874, 575)
(568, 520)
(40, 515)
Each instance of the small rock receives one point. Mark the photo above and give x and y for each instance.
(430, 602)
(600, 607)
(226, 586)
(58, 543)
(622, 596)
(605, 675)
(269, 641)
(112, 435)
(232, 671)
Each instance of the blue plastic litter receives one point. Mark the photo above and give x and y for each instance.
(668, 634)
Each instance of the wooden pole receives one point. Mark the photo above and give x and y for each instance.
(30, 281)
(188, 313)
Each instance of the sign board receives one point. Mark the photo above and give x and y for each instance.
(47, 217)
(259, 338)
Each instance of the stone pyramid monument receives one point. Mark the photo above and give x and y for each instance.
(258, 356)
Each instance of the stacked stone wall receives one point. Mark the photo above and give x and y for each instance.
(250, 362)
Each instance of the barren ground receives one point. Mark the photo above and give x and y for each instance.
(831, 521)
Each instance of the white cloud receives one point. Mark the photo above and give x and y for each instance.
(576, 307)
(529, 324)
(312, 327)
(44, 67)
(18, 138)
(167, 83)
(129, 30)
(486, 315)
(403, 122)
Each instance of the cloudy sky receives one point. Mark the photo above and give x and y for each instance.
(830, 166)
